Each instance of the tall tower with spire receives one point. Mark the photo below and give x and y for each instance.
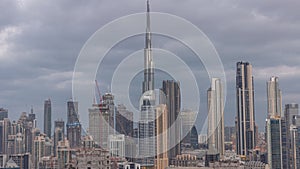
(147, 146)
(148, 83)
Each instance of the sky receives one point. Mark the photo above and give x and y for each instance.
(41, 40)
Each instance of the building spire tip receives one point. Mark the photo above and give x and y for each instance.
(148, 6)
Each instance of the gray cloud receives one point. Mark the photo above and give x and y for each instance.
(40, 40)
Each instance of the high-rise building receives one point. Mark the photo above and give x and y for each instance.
(58, 136)
(124, 121)
(47, 118)
(276, 127)
(245, 119)
(172, 99)
(3, 113)
(215, 105)
(189, 134)
(290, 112)
(188, 118)
(147, 133)
(229, 133)
(161, 137)
(274, 142)
(42, 147)
(108, 100)
(64, 153)
(96, 128)
(73, 125)
(147, 117)
(117, 146)
(101, 121)
(274, 98)
(60, 124)
(193, 138)
(32, 119)
(284, 141)
(295, 147)
(5, 126)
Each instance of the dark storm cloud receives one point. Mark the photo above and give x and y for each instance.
(40, 40)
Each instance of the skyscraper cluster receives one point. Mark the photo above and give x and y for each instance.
(282, 129)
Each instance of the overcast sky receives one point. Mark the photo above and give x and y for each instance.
(40, 42)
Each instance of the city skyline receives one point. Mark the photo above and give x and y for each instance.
(162, 126)
(58, 75)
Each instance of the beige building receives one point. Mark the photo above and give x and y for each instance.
(161, 161)
(216, 117)
(274, 98)
(90, 157)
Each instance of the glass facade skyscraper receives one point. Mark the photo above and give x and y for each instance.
(172, 96)
(245, 119)
(147, 108)
(47, 118)
(274, 142)
(73, 124)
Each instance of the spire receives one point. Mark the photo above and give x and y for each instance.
(148, 83)
(148, 31)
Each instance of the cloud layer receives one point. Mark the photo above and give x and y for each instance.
(40, 41)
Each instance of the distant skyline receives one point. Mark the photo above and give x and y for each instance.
(40, 41)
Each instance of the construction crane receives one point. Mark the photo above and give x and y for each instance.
(99, 93)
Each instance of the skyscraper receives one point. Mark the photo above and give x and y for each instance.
(73, 125)
(99, 124)
(295, 147)
(42, 146)
(3, 113)
(161, 137)
(290, 112)
(47, 118)
(59, 134)
(64, 153)
(188, 119)
(274, 98)
(116, 147)
(216, 116)
(60, 124)
(276, 130)
(124, 121)
(274, 142)
(5, 125)
(101, 121)
(147, 116)
(245, 119)
(171, 89)
(285, 143)
(229, 133)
